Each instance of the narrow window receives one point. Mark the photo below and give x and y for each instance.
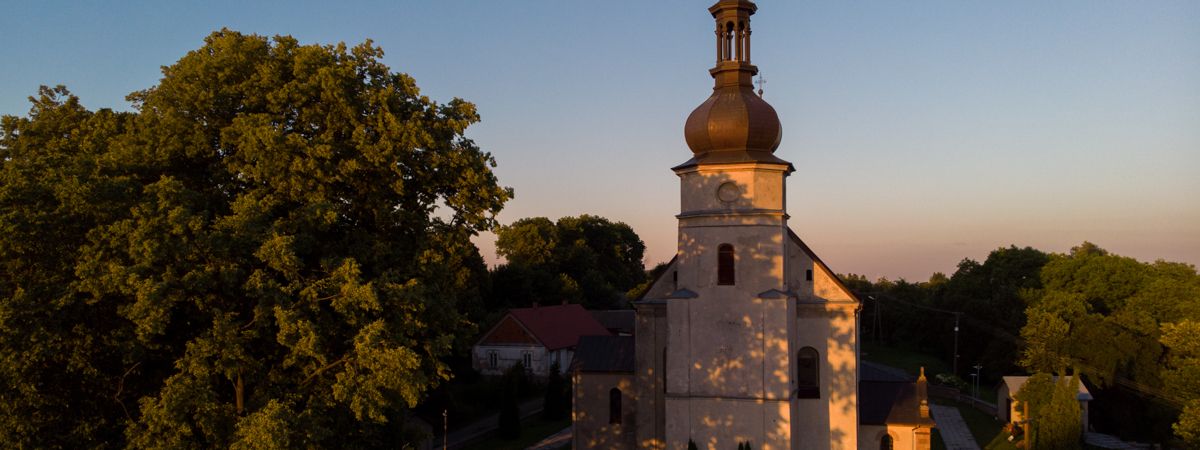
(728, 41)
(674, 280)
(807, 374)
(614, 406)
(664, 370)
(808, 274)
(725, 275)
(885, 443)
(528, 360)
(492, 360)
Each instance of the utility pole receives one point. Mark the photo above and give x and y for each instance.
(955, 369)
(445, 422)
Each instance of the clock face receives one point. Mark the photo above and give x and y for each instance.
(728, 192)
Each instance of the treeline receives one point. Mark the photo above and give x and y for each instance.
(1129, 328)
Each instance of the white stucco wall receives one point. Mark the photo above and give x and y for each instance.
(508, 355)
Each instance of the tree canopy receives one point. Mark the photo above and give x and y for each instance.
(586, 259)
(1119, 321)
(271, 251)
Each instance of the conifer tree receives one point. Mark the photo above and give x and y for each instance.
(555, 404)
(509, 426)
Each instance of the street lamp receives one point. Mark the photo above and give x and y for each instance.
(978, 368)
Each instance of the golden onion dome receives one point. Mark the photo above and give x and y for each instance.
(734, 124)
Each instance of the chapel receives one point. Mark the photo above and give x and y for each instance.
(747, 336)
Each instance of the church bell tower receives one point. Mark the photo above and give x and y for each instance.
(728, 364)
(747, 323)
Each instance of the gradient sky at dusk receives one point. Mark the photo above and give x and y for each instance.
(922, 133)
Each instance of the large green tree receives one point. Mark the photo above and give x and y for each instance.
(63, 354)
(273, 250)
(1107, 314)
(1054, 413)
(1183, 376)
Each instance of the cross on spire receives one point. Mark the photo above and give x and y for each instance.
(761, 82)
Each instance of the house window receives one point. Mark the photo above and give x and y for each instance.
(493, 360)
(808, 274)
(614, 406)
(527, 360)
(725, 275)
(808, 373)
(885, 443)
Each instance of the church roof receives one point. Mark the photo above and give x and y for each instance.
(890, 403)
(604, 354)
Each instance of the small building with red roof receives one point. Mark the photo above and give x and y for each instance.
(536, 337)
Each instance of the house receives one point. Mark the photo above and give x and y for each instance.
(1006, 405)
(747, 335)
(537, 337)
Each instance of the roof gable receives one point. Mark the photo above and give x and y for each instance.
(841, 286)
(653, 287)
(508, 331)
(558, 326)
(890, 403)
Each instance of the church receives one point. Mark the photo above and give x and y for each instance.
(747, 336)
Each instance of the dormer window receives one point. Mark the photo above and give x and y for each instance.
(725, 259)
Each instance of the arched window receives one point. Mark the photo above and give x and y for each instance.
(728, 38)
(885, 442)
(808, 373)
(614, 406)
(725, 274)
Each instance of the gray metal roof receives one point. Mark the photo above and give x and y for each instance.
(604, 354)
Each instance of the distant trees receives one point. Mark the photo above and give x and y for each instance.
(586, 259)
(251, 257)
(991, 296)
(1128, 326)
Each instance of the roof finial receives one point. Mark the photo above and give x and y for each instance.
(761, 82)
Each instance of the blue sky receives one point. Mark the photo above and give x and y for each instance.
(922, 132)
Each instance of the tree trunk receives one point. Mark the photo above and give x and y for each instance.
(239, 389)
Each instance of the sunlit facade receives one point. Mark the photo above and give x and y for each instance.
(747, 336)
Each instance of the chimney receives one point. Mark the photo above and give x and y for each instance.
(922, 394)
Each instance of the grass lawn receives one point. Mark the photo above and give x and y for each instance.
(899, 358)
(912, 361)
(533, 429)
(1000, 443)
